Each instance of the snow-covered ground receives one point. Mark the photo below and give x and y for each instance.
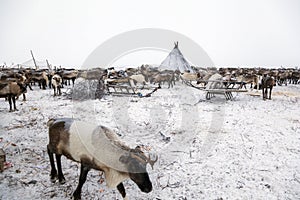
(246, 148)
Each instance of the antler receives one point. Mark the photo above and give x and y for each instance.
(152, 162)
(139, 154)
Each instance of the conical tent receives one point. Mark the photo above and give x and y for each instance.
(176, 61)
(30, 64)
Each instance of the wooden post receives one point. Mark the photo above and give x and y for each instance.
(176, 44)
(36, 67)
(48, 65)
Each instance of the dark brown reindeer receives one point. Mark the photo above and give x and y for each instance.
(11, 90)
(267, 82)
(67, 75)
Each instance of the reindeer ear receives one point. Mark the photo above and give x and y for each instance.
(124, 159)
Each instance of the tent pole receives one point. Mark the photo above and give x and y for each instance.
(48, 65)
(36, 67)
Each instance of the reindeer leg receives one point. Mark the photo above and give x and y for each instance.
(14, 102)
(59, 90)
(10, 103)
(29, 86)
(44, 84)
(263, 93)
(266, 93)
(121, 189)
(53, 173)
(61, 177)
(82, 178)
(270, 92)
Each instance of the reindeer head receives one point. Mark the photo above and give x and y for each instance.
(136, 162)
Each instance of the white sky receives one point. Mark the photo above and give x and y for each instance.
(232, 32)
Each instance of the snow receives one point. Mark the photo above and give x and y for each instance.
(246, 148)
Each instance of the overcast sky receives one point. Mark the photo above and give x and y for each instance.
(232, 32)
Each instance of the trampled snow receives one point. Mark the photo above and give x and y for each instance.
(246, 148)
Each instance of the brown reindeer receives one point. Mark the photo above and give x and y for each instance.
(267, 82)
(11, 90)
(99, 148)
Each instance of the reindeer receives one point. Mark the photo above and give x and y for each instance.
(267, 82)
(96, 147)
(164, 77)
(67, 75)
(11, 90)
(56, 82)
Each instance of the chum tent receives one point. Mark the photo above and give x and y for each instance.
(176, 61)
(30, 64)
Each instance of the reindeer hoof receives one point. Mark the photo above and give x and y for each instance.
(53, 179)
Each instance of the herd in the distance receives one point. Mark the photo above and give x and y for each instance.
(14, 81)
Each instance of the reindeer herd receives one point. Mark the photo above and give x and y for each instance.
(15, 81)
